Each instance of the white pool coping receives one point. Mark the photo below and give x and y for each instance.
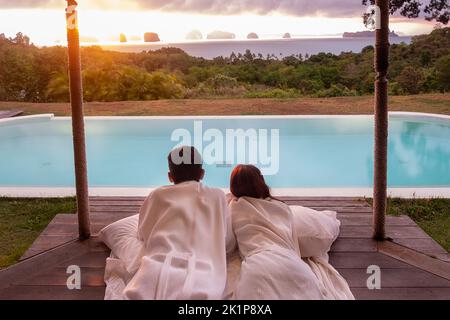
(50, 192)
(410, 192)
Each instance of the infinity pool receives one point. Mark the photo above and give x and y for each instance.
(301, 152)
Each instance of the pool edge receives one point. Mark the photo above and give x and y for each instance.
(407, 193)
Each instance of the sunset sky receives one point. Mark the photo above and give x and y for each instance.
(44, 20)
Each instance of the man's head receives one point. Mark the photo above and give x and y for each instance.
(185, 164)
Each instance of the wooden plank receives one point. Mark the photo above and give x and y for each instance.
(324, 198)
(362, 260)
(343, 204)
(401, 232)
(115, 209)
(415, 258)
(90, 277)
(366, 220)
(91, 259)
(125, 198)
(402, 294)
(31, 266)
(71, 229)
(427, 245)
(116, 198)
(344, 209)
(354, 245)
(51, 293)
(10, 113)
(96, 218)
(395, 278)
(346, 218)
(44, 241)
(392, 231)
(356, 232)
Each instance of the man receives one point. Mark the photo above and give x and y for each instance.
(184, 229)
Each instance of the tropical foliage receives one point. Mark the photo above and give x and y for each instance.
(29, 73)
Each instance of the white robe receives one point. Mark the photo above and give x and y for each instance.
(183, 229)
(272, 267)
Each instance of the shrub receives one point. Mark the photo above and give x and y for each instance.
(410, 80)
(336, 91)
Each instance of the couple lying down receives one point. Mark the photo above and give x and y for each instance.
(190, 241)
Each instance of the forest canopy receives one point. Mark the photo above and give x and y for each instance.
(30, 73)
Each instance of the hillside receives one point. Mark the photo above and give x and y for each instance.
(32, 74)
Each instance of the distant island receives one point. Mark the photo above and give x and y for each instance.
(135, 38)
(365, 34)
(287, 35)
(194, 35)
(86, 39)
(151, 37)
(221, 35)
(123, 38)
(252, 35)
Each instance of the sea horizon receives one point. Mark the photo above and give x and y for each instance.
(210, 49)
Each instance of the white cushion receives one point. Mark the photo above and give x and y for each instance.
(316, 230)
(121, 238)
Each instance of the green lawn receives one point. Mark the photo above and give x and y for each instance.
(432, 215)
(22, 220)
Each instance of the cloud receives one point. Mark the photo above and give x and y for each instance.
(338, 8)
(8, 4)
(331, 8)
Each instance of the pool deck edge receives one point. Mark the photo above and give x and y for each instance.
(407, 193)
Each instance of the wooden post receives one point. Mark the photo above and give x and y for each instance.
(381, 121)
(76, 100)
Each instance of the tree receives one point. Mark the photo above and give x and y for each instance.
(410, 80)
(443, 72)
(438, 10)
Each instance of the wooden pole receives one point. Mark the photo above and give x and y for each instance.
(381, 121)
(76, 100)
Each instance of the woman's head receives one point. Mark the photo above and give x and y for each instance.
(247, 181)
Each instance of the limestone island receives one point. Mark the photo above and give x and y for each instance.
(151, 37)
(221, 35)
(194, 35)
(365, 34)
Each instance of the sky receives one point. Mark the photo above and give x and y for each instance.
(104, 20)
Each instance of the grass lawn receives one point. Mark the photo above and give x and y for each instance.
(430, 103)
(22, 220)
(432, 215)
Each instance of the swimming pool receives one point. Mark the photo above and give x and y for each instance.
(313, 154)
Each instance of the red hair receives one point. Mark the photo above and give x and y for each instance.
(247, 181)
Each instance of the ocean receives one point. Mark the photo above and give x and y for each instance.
(209, 49)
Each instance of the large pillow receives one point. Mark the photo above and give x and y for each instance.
(121, 238)
(316, 230)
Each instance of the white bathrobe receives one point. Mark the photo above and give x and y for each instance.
(272, 267)
(183, 229)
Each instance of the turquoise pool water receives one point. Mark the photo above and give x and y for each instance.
(319, 152)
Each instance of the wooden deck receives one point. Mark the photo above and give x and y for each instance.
(10, 113)
(413, 266)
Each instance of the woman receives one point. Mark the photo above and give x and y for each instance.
(272, 268)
